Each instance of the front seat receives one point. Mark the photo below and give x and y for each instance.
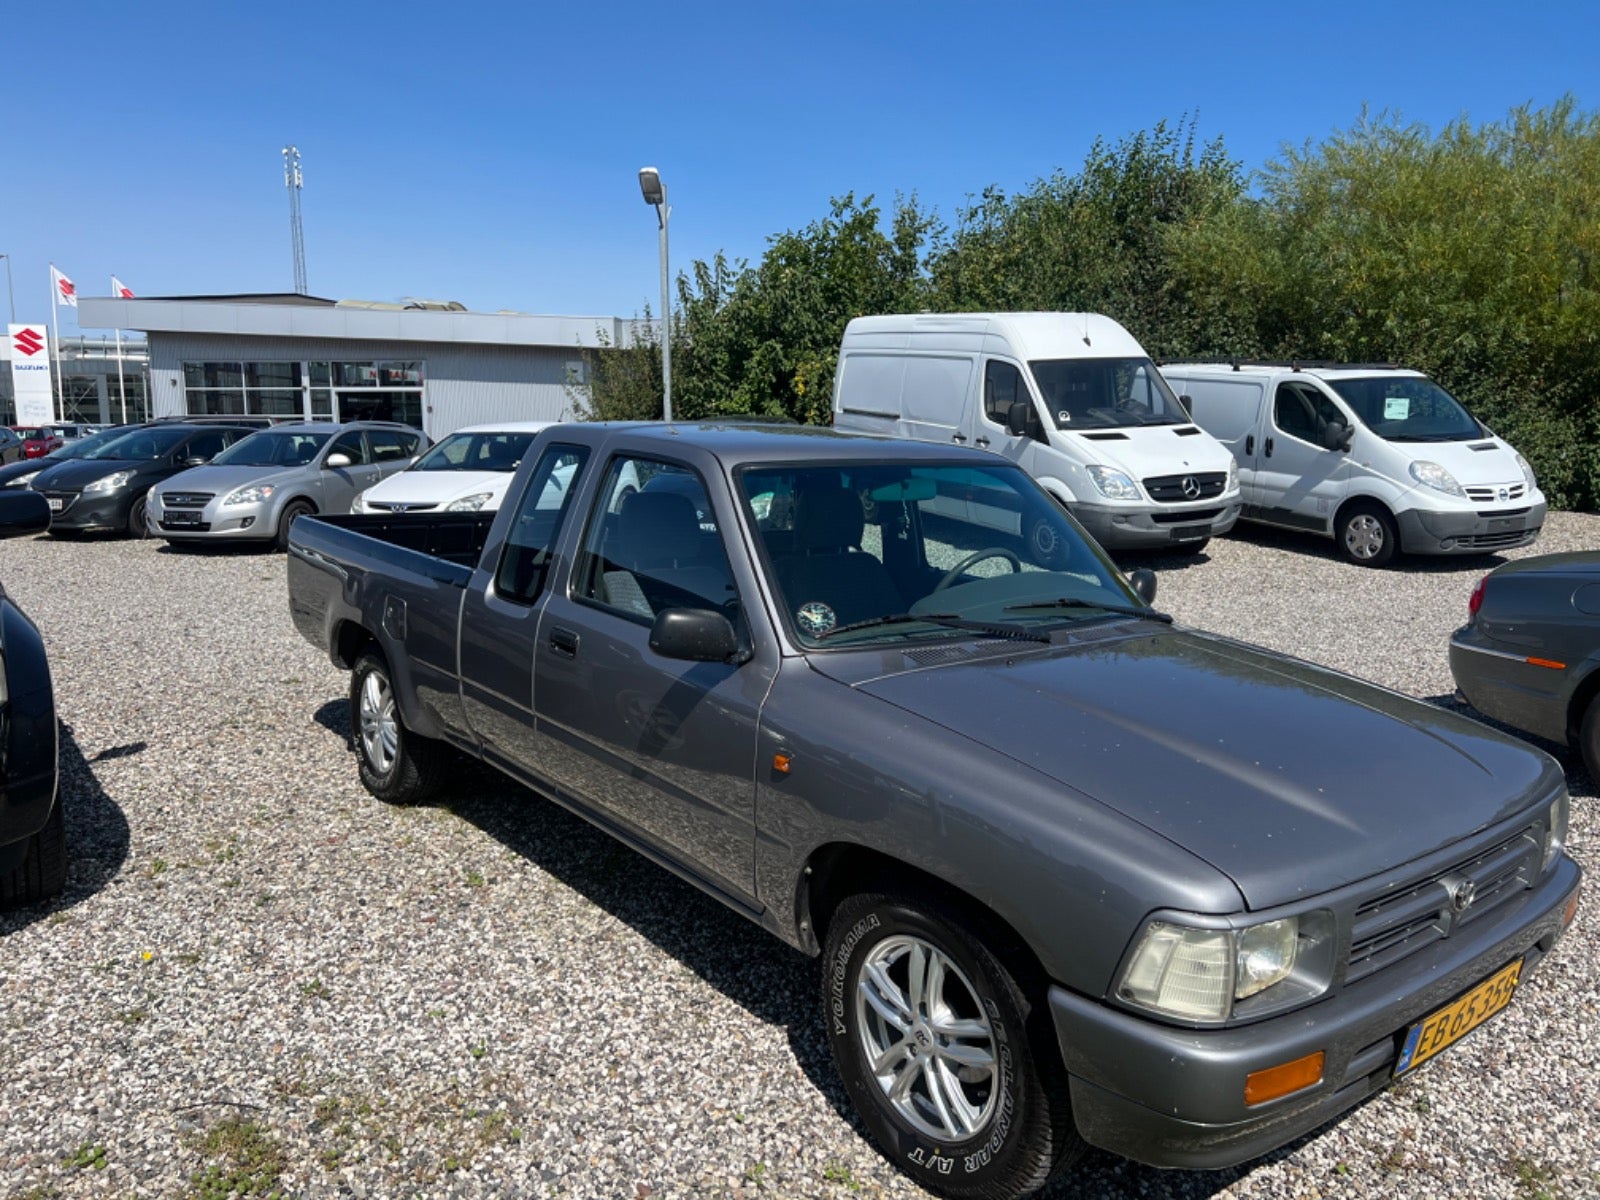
(828, 566)
(659, 558)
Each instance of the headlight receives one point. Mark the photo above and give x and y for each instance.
(23, 480)
(470, 503)
(108, 483)
(256, 493)
(359, 504)
(1555, 833)
(1527, 473)
(1113, 485)
(1233, 475)
(1211, 974)
(1431, 474)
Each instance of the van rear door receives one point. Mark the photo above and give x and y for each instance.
(1230, 410)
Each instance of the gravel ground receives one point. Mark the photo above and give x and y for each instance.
(261, 978)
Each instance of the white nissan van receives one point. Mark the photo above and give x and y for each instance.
(1378, 458)
(1070, 397)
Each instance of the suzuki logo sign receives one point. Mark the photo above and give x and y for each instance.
(27, 341)
(31, 387)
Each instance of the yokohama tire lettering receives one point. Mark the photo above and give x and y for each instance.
(841, 964)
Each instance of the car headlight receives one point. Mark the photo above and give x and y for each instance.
(256, 493)
(1209, 974)
(1233, 475)
(1113, 485)
(359, 504)
(1555, 830)
(23, 480)
(108, 483)
(470, 503)
(1431, 474)
(1527, 473)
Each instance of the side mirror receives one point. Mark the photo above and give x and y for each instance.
(22, 513)
(1144, 583)
(692, 634)
(1187, 402)
(1336, 435)
(337, 461)
(1017, 418)
(197, 460)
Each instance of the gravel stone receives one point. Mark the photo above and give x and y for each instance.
(487, 997)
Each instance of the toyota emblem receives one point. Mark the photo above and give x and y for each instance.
(1191, 488)
(1462, 895)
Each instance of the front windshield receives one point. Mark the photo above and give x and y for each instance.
(1101, 393)
(34, 434)
(140, 445)
(88, 445)
(1407, 408)
(476, 452)
(848, 545)
(273, 449)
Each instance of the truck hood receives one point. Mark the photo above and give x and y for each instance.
(222, 480)
(1289, 778)
(1492, 463)
(440, 487)
(1145, 450)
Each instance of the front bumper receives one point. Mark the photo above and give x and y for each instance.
(1119, 527)
(29, 735)
(1425, 531)
(85, 512)
(1174, 1097)
(213, 522)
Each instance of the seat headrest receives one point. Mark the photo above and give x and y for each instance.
(830, 519)
(656, 529)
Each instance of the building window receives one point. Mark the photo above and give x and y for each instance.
(82, 396)
(327, 391)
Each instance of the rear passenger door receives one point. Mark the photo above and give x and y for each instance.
(665, 748)
(392, 450)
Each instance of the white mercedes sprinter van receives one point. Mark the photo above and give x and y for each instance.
(1378, 458)
(1070, 397)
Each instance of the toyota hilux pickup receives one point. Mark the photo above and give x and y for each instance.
(1077, 875)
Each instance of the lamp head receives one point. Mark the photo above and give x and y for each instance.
(650, 185)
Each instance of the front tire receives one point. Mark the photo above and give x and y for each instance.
(1366, 535)
(292, 512)
(396, 765)
(43, 872)
(930, 1032)
(1589, 741)
(139, 518)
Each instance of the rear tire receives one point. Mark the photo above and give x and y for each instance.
(43, 872)
(291, 513)
(1366, 535)
(1589, 741)
(936, 1042)
(396, 765)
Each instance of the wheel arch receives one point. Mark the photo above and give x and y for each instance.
(347, 642)
(1587, 689)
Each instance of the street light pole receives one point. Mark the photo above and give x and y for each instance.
(655, 194)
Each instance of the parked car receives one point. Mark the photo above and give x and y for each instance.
(12, 448)
(20, 474)
(74, 431)
(33, 839)
(1076, 874)
(1071, 398)
(1529, 654)
(106, 488)
(259, 487)
(467, 471)
(37, 440)
(1379, 458)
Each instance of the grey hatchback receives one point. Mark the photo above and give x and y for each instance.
(256, 489)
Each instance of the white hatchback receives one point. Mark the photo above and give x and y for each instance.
(468, 471)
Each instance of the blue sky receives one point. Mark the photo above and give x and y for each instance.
(488, 153)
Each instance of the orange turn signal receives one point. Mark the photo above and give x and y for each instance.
(1571, 912)
(780, 763)
(1546, 662)
(1261, 1086)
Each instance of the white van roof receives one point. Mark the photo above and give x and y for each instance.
(1031, 335)
(1257, 370)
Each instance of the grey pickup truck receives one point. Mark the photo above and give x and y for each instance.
(1076, 875)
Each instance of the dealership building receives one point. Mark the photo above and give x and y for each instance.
(428, 363)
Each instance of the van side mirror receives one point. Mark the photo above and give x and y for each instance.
(336, 461)
(1144, 584)
(1017, 418)
(693, 635)
(22, 513)
(1336, 435)
(1186, 402)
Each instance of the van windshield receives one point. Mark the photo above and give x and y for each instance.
(1099, 393)
(1407, 408)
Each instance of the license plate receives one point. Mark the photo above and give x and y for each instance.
(1448, 1025)
(1501, 523)
(1190, 533)
(55, 503)
(173, 518)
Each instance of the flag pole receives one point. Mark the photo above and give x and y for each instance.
(122, 385)
(55, 321)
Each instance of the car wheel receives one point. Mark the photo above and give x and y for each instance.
(43, 872)
(292, 512)
(1589, 740)
(1366, 535)
(930, 1033)
(139, 518)
(397, 766)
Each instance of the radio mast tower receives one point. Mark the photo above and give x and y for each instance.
(292, 179)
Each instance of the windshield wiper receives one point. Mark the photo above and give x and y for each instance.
(1126, 610)
(947, 621)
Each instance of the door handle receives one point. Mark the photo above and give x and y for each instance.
(983, 441)
(958, 437)
(1269, 447)
(564, 642)
(1250, 444)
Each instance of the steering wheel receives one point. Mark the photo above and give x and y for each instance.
(973, 559)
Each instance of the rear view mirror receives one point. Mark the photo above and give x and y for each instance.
(692, 634)
(1017, 418)
(22, 513)
(917, 487)
(1144, 584)
(337, 462)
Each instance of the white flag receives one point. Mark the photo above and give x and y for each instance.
(66, 290)
(120, 290)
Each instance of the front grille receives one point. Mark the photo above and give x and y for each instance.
(1498, 493)
(1169, 489)
(1192, 514)
(1407, 919)
(60, 502)
(1496, 541)
(186, 499)
(399, 507)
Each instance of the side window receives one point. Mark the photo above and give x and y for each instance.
(1002, 387)
(1303, 412)
(652, 543)
(350, 444)
(390, 445)
(207, 445)
(540, 514)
